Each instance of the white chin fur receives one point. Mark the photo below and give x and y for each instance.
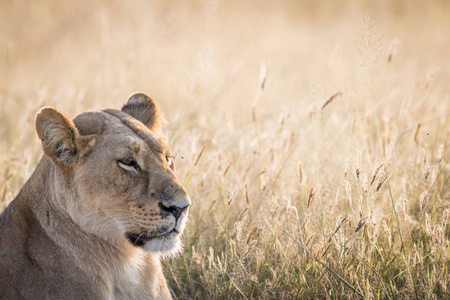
(168, 245)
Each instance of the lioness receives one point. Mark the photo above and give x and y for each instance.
(101, 206)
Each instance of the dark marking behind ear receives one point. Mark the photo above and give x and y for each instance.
(141, 107)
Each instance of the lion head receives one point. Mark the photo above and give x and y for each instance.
(116, 175)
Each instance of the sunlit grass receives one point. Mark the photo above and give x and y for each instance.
(314, 141)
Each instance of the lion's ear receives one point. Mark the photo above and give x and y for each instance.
(141, 107)
(60, 138)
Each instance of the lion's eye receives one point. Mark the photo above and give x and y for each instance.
(169, 161)
(129, 164)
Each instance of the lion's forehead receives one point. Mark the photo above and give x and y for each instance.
(125, 124)
(111, 122)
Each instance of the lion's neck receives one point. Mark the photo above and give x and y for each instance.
(50, 202)
(122, 268)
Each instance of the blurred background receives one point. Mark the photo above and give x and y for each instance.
(191, 52)
(247, 90)
(203, 58)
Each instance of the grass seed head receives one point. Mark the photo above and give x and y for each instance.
(311, 197)
(375, 173)
(423, 199)
(393, 46)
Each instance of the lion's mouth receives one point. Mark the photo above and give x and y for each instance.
(139, 240)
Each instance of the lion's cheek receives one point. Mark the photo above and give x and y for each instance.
(112, 187)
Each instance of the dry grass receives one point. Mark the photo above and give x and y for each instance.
(313, 138)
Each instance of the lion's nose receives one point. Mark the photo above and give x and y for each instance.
(174, 210)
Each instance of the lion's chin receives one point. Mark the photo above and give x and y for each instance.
(166, 245)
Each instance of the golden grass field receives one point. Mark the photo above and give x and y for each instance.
(312, 136)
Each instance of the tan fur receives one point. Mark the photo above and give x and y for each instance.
(103, 184)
